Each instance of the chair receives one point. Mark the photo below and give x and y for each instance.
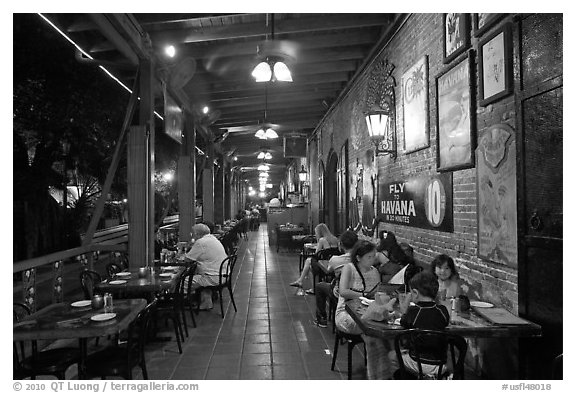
(169, 306)
(118, 360)
(112, 268)
(557, 367)
(430, 347)
(244, 227)
(224, 281)
(88, 281)
(229, 241)
(332, 303)
(47, 362)
(323, 255)
(352, 340)
(120, 259)
(187, 296)
(304, 254)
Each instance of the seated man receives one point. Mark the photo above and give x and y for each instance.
(209, 253)
(347, 241)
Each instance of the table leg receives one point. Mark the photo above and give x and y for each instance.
(83, 354)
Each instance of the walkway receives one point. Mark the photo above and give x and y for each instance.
(272, 336)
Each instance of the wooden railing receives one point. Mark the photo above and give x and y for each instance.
(42, 280)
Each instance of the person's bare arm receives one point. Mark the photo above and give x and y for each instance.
(345, 283)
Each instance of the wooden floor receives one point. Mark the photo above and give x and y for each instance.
(272, 336)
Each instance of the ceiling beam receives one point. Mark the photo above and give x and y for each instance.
(273, 89)
(204, 51)
(272, 99)
(190, 34)
(214, 85)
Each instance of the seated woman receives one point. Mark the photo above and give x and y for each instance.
(361, 278)
(448, 279)
(325, 240)
(391, 256)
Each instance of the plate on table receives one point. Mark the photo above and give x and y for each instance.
(478, 304)
(123, 274)
(81, 303)
(168, 269)
(165, 275)
(117, 282)
(103, 317)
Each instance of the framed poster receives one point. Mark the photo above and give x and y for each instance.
(415, 106)
(173, 118)
(483, 21)
(496, 176)
(295, 147)
(454, 115)
(420, 202)
(456, 37)
(495, 65)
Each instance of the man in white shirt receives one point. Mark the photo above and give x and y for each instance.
(322, 289)
(209, 253)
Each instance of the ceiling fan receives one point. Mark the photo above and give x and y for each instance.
(231, 58)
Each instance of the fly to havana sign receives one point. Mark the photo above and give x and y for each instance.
(423, 202)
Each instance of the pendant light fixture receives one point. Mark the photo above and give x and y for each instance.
(265, 132)
(272, 68)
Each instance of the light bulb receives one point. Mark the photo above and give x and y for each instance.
(281, 72)
(262, 72)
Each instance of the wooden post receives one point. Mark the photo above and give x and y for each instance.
(219, 197)
(227, 192)
(187, 182)
(208, 186)
(141, 174)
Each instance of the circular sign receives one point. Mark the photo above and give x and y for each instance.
(435, 203)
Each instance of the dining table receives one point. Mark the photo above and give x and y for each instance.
(77, 320)
(470, 323)
(160, 279)
(285, 236)
(474, 324)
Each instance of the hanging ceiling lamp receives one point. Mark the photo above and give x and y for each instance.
(265, 132)
(263, 167)
(272, 68)
(264, 155)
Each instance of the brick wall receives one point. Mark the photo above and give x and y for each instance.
(421, 35)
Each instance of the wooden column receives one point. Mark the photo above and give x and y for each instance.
(227, 194)
(208, 186)
(187, 181)
(219, 197)
(141, 174)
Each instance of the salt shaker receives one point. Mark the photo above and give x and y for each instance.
(108, 302)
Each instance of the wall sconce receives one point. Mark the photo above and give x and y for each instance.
(381, 134)
(381, 115)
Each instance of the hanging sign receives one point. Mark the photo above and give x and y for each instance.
(423, 202)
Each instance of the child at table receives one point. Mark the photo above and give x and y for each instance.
(448, 279)
(424, 314)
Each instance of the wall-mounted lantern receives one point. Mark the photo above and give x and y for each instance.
(381, 109)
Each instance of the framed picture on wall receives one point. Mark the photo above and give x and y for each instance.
(456, 37)
(455, 142)
(415, 106)
(496, 195)
(495, 65)
(483, 21)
